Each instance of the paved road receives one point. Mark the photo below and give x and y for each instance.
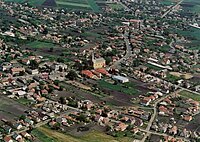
(168, 11)
(154, 114)
(128, 51)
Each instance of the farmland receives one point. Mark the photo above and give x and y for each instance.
(8, 111)
(78, 4)
(39, 44)
(31, 2)
(190, 95)
(45, 135)
(116, 6)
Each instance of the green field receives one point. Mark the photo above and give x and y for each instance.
(190, 95)
(126, 88)
(191, 34)
(48, 135)
(167, 2)
(40, 44)
(116, 6)
(19, 1)
(79, 4)
(32, 2)
(93, 5)
(60, 2)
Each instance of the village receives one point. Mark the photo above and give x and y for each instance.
(79, 72)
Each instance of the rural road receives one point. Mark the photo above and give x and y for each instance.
(155, 113)
(171, 9)
(128, 51)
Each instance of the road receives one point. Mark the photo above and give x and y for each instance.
(162, 134)
(154, 114)
(128, 51)
(171, 9)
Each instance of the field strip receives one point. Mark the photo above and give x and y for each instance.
(72, 4)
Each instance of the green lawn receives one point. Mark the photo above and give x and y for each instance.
(124, 88)
(190, 95)
(40, 44)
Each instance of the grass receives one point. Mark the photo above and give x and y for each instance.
(190, 95)
(19, 1)
(31, 2)
(167, 2)
(42, 137)
(48, 135)
(127, 89)
(40, 44)
(36, 2)
(24, 101)
(93, 5)
(72, 4)
(172, 78)
(116, 6)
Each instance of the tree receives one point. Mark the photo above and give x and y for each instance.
(34, 64)
(62, 100)
(51, 49)
(108, 60)
(56, 82)
(72, 75)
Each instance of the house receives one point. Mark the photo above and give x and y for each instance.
(120, 79)
(30, 71)
(7, 139)
(173, 130)
(17, 126)
(7, 129)
(58, 66)
(88, 74)
(17, 70)
(21, 93)
(187, 118)
(102, 71)
(121, 127)
(26, 135)
(145, 101)
(17, 137)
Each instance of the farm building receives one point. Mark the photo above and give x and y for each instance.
(120, 79)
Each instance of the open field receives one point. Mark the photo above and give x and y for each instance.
(9, 109)
(185, 76)
(190, 95)
(191, 5)
(116, 6)
(192, 34)
(31, 2)
(39, 44)
(46, 135)
(78, 4)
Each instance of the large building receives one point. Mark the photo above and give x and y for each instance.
(98, 62)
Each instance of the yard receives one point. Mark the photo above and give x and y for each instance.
(190, 95)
